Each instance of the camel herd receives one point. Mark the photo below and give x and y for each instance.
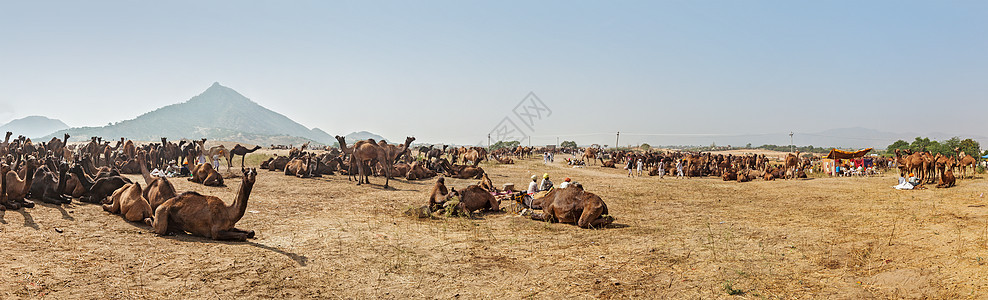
(56, 173)
(935, 168)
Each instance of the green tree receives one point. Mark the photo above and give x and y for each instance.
(568, 144)
(748, 146)
(920, 144)
(646, 146)
(898, 145)
(970, 146)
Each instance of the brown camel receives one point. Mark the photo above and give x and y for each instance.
(242, 151)
(438, 195)
(18, 187)
(573, 205)
(48, 185)
(946, 179)
(792, 164)
(474, 198)
(129, 148)
(419, 171)
(129, 202)
(590, 154)
(206, 175)
(206, 216)
(159, 189)
(220, 152)
(964, 161)
(365, 154)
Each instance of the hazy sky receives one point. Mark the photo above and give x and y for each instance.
(452, 70)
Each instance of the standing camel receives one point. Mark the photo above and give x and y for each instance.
(365, 154)
(242, 151)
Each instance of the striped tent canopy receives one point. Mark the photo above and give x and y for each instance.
(841, 154)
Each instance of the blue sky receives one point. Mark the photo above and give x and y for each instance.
(449, 71)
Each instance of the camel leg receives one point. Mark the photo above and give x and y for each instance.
(229, 235)
(249, 233)
(114, 207)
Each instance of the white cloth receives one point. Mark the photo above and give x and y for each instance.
(903, 185)
(531, 187)
(564, 184)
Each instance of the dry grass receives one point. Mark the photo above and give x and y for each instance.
(673, 238)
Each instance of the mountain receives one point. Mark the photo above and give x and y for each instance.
(33, 126)
(363, 135)
(219, 113)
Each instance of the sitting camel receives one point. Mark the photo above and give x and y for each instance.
(438, 195)
(946, 179)
(474, 198)
(206, 175)
(48, 185)
(159, 189)
(573, 205)
(129, 202)
(206, 216)
(18, 187)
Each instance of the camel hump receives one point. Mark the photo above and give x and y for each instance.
(190, 193)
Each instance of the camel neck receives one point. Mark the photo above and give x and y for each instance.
(144, 172)
(240, 204)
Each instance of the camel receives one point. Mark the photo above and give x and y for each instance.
(573, 205)
(365, 154)
(963, 161)
(206, 175)
(242, 151)
(48, 186)
(590, 154)
(946, 179)
(129, 149)
(474, 198)
(104, 187)
(419, 171)
(206, 216)
(438, 195)
(792, 164)
(606, 164)
(129, 202)
(302, 167)
(486, 184)
(159, 189)
(17, 187)
(221, 152)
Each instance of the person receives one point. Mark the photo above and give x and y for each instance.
(546, 183)
(913, 180)
(172, 170)
(640, 162)
(201, 160)
(216, 162)
(532, 185)
(566, 183)
(630, 167)
(662, 169)
(679, 168)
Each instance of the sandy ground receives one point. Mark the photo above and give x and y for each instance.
(673, 238)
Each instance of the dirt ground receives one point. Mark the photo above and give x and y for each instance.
(672, 238)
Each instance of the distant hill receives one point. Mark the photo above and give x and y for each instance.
(33, 127)
(363, 135)
(219, 113)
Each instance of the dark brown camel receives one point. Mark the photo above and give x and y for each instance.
(474, 198)
(242, 151)
(206, 216)
(573, 205)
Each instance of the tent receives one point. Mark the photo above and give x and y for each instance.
(841, 154)
(986, 156)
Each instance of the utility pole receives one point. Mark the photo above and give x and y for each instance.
(529, 141)
(617, 140)
(791, 145)
(557, 141)
(488, 141)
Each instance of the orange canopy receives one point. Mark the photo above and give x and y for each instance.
(841, 154)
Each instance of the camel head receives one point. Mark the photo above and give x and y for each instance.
(250, 175)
